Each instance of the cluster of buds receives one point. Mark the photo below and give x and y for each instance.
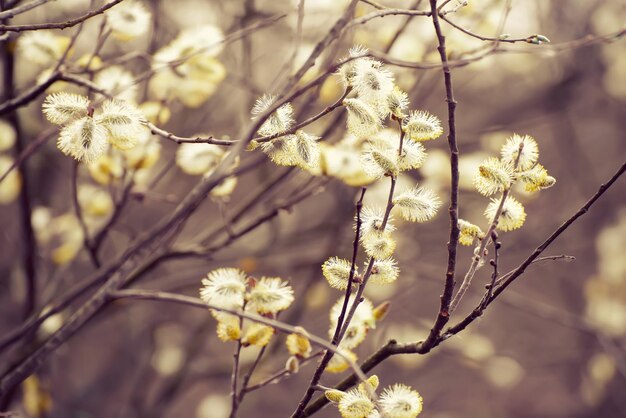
(233, 289)
(396, 401)
(518, 163)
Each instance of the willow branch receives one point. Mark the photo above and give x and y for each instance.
(444, 310)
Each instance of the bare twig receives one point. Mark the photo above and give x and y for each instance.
(538, 260)
(484, 38)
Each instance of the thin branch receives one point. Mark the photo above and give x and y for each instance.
(502, 278)
(198, 303)
(388, 12)
(182, 140)
(442, 5)
(484, 38)
(117, 211)
(246, 379)
(444, 310)
(60, 25)
(93, 256)
(235, 374)
(532, 257)
(8, 14)
(355, 251)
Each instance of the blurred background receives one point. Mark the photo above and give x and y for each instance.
(554, 344)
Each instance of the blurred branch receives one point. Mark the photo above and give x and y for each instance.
(402, 28)
(197, 303)
(8, 14)
(246, 379)
(245, 208)
(205, 251)
(117, 211)
(60, 25)
(27, 238)
(30, 149)
(29, 95)
(115, 272)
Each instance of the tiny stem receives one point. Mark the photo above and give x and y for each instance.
(81, 220)
(233, 385)
(279, 375)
